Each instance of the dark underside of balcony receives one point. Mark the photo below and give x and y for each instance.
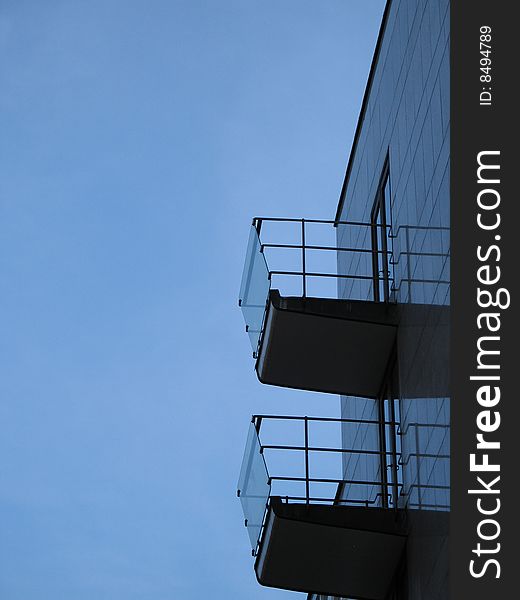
(327, 345)
(336, 550)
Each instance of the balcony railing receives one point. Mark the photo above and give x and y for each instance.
(306, 264)
(322, 308)
(314, 526)
(307, 476)
(311, 528)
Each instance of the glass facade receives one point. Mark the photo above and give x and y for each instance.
(402, 154)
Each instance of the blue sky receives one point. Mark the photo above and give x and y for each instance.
(138, 139)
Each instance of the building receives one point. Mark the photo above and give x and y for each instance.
(365, 317)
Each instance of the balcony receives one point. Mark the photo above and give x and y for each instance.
(310, 529)
(302, 334)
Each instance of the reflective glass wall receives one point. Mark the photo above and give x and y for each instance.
(405, 130)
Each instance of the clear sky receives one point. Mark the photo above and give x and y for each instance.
(137, 141)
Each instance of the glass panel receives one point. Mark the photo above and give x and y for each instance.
(253, 486)
(254, 289)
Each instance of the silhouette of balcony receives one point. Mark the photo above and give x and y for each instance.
(310, 529)
(303, 336)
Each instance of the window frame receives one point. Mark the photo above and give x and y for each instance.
(381, 229)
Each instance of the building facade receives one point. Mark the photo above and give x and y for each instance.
(399, 174)
(381, 342)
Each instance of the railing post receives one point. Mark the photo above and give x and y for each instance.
(303, 259)
(307, 491)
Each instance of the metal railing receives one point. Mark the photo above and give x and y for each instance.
(282, 251)
(263, 476)
(308, 253)
(386, 491)
(304, 273)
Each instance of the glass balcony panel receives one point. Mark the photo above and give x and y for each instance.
(253, 486)
(254, 289)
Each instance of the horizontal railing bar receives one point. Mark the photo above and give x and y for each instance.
(323, 221)
(353, 223)
(300, 247)
(337, 275)
(324, 449)
(365, 250)
(422, 228)
(318, 499)
(413, 280)
(430, 455)
(404, 253)
(326, 480)
(323, 419)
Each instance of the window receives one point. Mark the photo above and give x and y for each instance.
(381, 221)
(390, 442)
